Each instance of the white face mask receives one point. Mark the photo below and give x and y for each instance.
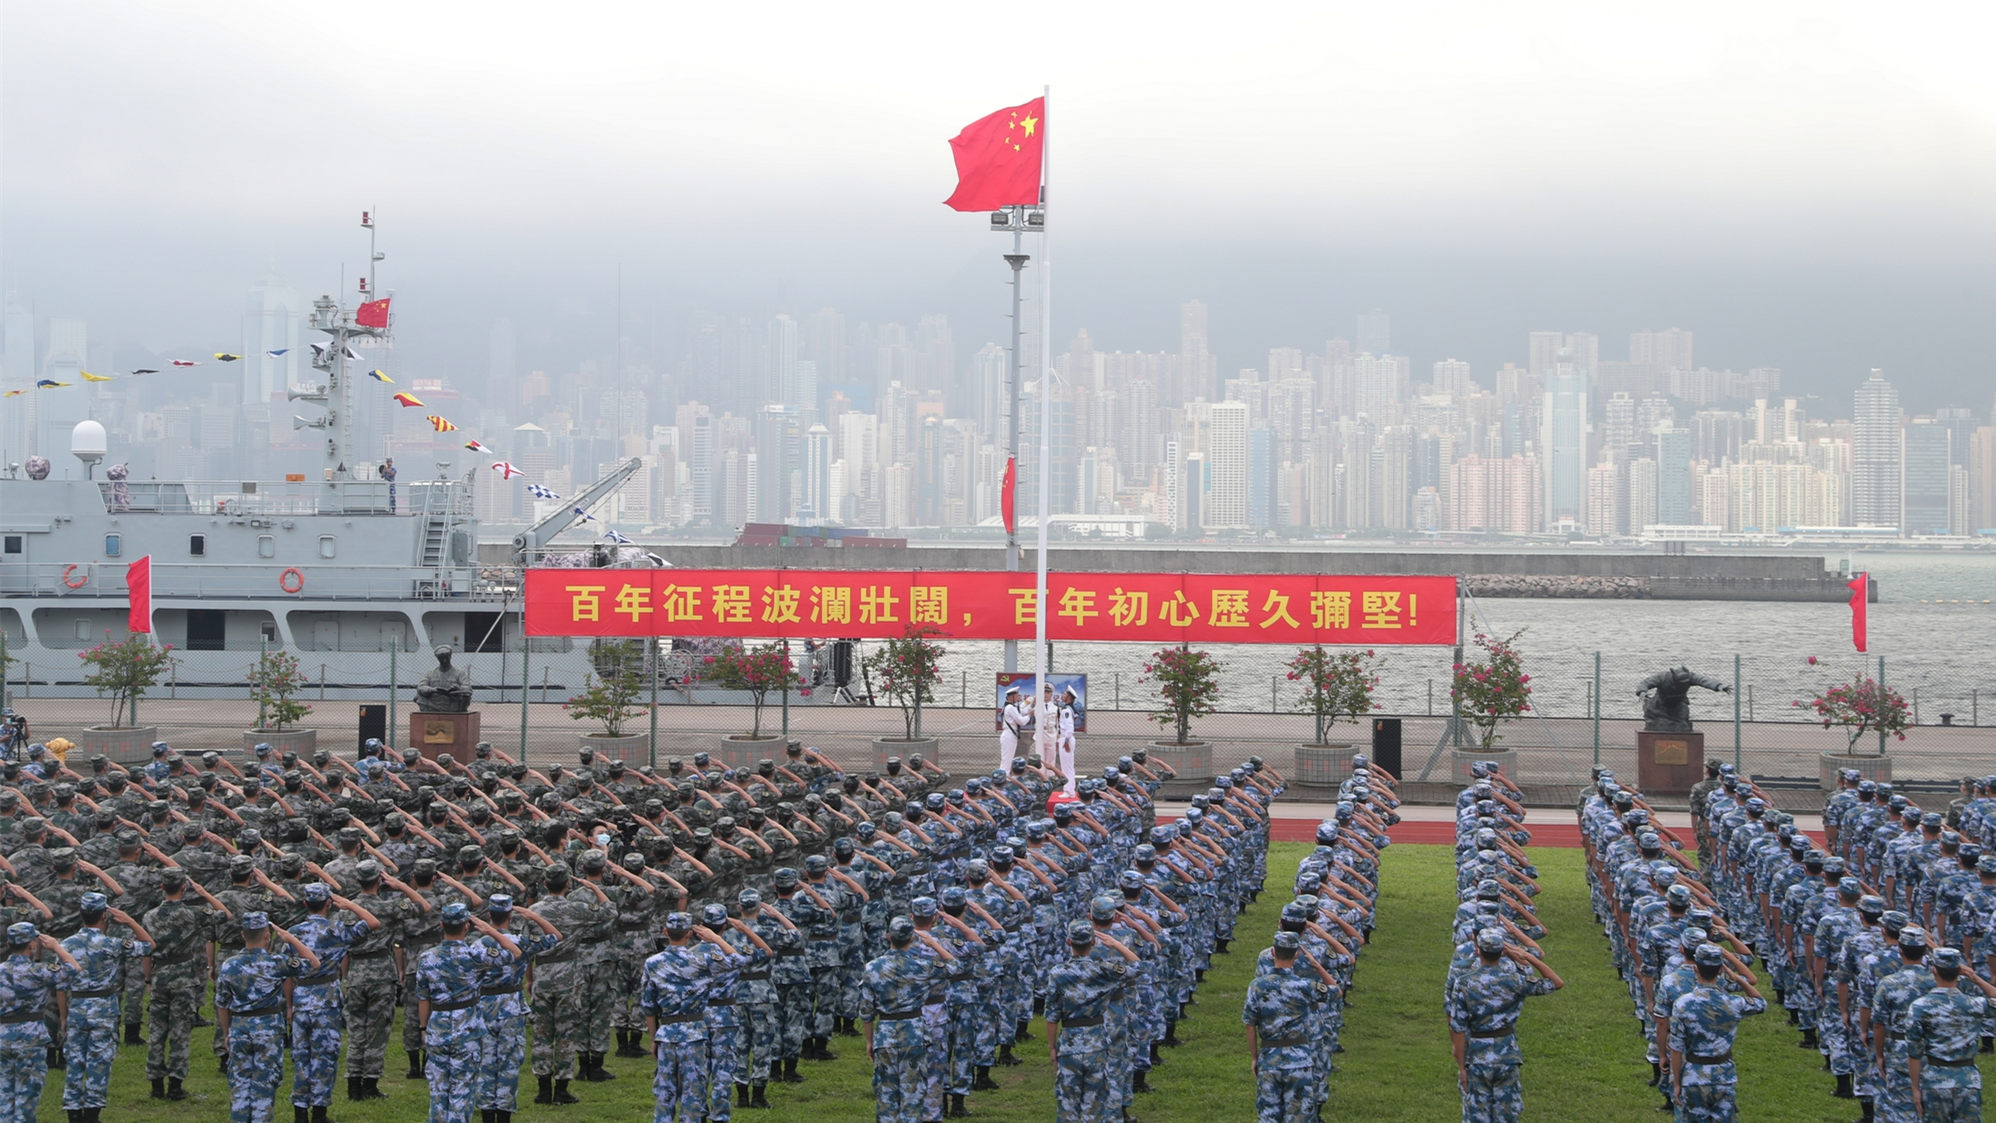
(602, 839)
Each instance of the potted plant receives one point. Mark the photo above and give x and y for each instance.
(274, 683)
(125, 670)
(609, 698)
(1334, 685)
(757, 670)
(907, 669)
(1861, 706)
(1188, 687)
(1490, 690)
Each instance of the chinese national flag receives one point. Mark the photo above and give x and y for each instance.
(998, 159)
(373, 314)
(1860, 603)
(1008, 501)
(138, 587)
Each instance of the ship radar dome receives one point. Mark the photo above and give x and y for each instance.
(87, 442)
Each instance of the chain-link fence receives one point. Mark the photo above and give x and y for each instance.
(1585, 709)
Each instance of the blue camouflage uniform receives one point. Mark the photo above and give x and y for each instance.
(502, 1010)
(1943, 1030)
(91, 1040)
(448, 977)
(724, 1021)
(676, 984)
(1484, 1006)
(893, 989)
(1088, 1083)
(26, 986)
(1891, 1005)
(318, 1006)
(1285, 1006)
(250, 986)
(1703, 1023)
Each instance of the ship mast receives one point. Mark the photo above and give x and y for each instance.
(334, 359)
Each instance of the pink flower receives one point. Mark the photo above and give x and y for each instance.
(1812, 660)
(806, 692)
(1524, 678)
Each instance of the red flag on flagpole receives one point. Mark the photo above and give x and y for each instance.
(138, 586)
(373, 314)
(1860, 601)
(998, 159)
(1008, 500)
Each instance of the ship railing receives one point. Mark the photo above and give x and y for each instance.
(226, 581)
(290, 498)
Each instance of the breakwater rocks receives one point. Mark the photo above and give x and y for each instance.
(1569, 587)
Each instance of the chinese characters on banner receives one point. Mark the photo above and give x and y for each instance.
(879, 604)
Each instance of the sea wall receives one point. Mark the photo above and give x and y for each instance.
(1575, 573)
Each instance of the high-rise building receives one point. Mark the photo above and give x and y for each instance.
(1669, 349)
(1375, 332)
(779, 357)
(1981, 480)
(1451, 377)
(816, 504)
(271, 320)
(1563, 445)
(1876, 453)
(1673, 477)
(1927, 495)
(1262, 481)
(1227, 461)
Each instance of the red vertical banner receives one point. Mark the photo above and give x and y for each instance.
(1008, 498)
(1860, 609)
(138, 586)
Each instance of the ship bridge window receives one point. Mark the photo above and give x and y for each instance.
(14, 544)
(114, 545)
(329, 546)
(197, 545)
(266, 546)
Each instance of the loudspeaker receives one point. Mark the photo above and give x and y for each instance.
(1386, 743)
(841, 662)
(373, 723)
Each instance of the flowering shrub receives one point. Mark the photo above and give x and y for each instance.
(274, 682)
(757, 670)
(1494, 688)
(1862, 705)
(1188, 684)
(610, 696)
(908, 668)
(126, 670)
(1334, 685)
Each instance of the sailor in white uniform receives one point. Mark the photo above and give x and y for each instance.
(1012, 720)
(1064, 745)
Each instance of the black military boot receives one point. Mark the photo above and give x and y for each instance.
(159, 1089)
(502, 1117)
(1870, 1108)
(1139, 1081)
(1655, 1074)
(544, 1090)
(1171, 1035)
(370, 1089)
(301, 1114)
(957, 1110)
(1844, 1090)
(487, 1115)
(415, 1066)
(55, 1058)
(1220, 946)
(741, 1095)
(758, 1097)
(1808, 1039)
(1024, 1032)
(1005, 1056)
(825, 1050)
(319, 1114)
(561, 1095)
(174, 1090)
(982, 1082)
(1155, 1059)
(354, 1086)
(790, 1075)
(132, 1034)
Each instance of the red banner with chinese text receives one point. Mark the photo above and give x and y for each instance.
(878, 604)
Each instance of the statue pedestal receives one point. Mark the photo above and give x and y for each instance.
(435, 734)
(1669, 763)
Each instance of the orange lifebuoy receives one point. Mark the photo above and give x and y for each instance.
(291, 581)
(80, 581)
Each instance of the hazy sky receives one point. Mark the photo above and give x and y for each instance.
(1804, 185)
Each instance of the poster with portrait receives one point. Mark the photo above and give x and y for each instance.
(1028, 686)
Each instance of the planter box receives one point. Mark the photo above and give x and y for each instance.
(1193, 762)
(634, 749)
(300, 741)
(129, 745)
(884, 747)
(1459, 761)
(1322, 766)
(737, 751)
(1869, 767)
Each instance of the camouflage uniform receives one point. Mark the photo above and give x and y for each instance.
(502, 1006)
(1891, 1004)
(893, 989)
(447, 977)
(1285, 1007)
(251, 987)
(1702, 1027)
(560, 980)
(1484, 1006)
(677, 982)
(91, 1041)
(318, 1008)
(1087, 1078)
(370, 987)
(180, 931)
(25, 987)
(1942, 1028)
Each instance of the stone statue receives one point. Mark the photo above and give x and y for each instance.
(1666, 702)
(446, 689)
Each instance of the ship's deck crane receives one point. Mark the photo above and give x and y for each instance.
(528, 546)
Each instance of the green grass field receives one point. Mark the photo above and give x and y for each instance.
(1583, 1049)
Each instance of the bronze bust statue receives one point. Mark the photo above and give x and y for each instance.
(445, 689)
(1666, 701)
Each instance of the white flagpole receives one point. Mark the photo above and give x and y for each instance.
(1046, 425)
